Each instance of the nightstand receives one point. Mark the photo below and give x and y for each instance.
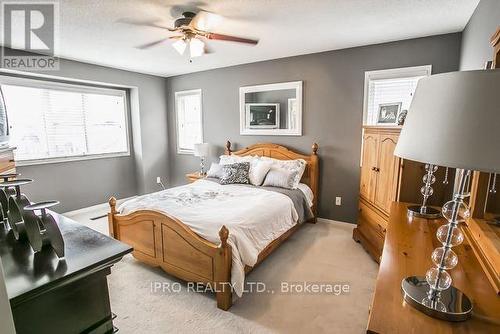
(191, 177)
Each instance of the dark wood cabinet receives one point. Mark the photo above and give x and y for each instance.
(61, 295)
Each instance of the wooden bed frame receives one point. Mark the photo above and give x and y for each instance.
(161, 240)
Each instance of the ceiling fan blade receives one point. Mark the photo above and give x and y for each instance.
(229, 38)
(144, 23)
(149, 45)
(204, 20)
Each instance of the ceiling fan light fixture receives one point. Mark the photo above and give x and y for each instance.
(196, 47)
(180, 46)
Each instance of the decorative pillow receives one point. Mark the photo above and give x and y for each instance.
(258, 171)
(280, 177)
(235, 173)
(298, 166)
(215, 170)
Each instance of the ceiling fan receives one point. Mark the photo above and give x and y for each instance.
(194, 31)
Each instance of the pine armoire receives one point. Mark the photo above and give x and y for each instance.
(386, 178)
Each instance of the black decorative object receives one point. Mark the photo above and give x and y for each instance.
(42, 230)
(21, 215)
(12, 198)
(402, 117)
(4, 197)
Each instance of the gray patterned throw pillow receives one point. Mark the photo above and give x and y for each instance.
(235, 173)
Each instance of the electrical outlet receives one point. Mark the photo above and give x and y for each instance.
(338, 201)
(158, 181)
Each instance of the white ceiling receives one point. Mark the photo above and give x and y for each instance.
(90, 30)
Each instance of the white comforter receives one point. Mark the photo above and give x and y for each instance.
(254, 217)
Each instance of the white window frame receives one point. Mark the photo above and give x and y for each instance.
(393, 73)
(177, 95)
(79, 88)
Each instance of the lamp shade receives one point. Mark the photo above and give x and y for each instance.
(201, 150)
(454, 121)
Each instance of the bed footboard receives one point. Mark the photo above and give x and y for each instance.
(162, 240)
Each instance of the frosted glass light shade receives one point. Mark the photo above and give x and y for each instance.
(196, 47)
(453, 121)
(201, 149)
(180, 46)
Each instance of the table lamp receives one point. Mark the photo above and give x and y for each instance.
(201, 150)
(453, 122)
(424, 210)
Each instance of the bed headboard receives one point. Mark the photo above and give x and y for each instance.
(311, 173)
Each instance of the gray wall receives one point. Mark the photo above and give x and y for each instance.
(476, 47)
(333, 104)
(84, 183)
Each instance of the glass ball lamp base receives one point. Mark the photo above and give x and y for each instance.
(451, 305)
(423, 212)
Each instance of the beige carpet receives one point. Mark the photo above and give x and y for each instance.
(321, 253)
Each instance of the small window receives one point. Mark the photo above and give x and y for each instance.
(393, 86)
(53, 122)
(189, 120)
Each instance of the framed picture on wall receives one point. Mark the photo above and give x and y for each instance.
(388, 113)
(262, 115)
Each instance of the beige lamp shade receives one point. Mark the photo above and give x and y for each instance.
(201, 149)
(454, 121)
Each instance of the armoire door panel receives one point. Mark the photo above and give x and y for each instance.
(387, 172)
(369, 162)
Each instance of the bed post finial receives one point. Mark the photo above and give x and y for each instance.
(112, 205)
(223, 234)
(315, 148)
(228, 148)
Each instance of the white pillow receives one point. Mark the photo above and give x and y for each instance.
(298, 166)
(280, 177)
(258, 171)
(232, 159)
(215, 170)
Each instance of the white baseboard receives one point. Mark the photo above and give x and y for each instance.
(330, 221)
(103, 206)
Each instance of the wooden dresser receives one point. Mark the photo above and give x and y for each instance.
(386, 178)
(7, 163)
(407, 251)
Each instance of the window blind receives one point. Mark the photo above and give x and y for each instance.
(49, 123)
(189, 124)
(382, 91)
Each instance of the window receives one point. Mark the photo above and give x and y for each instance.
(189, 120)
(52, 122)
(390, 86)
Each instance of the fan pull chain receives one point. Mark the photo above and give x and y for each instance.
(493, 189)
(445, 181)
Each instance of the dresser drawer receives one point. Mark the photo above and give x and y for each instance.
(377, 222)
(7, 162)
(372, 236)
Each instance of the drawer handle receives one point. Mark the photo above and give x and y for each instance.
(12, 160)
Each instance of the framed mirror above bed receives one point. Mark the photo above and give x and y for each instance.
(272, 109)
